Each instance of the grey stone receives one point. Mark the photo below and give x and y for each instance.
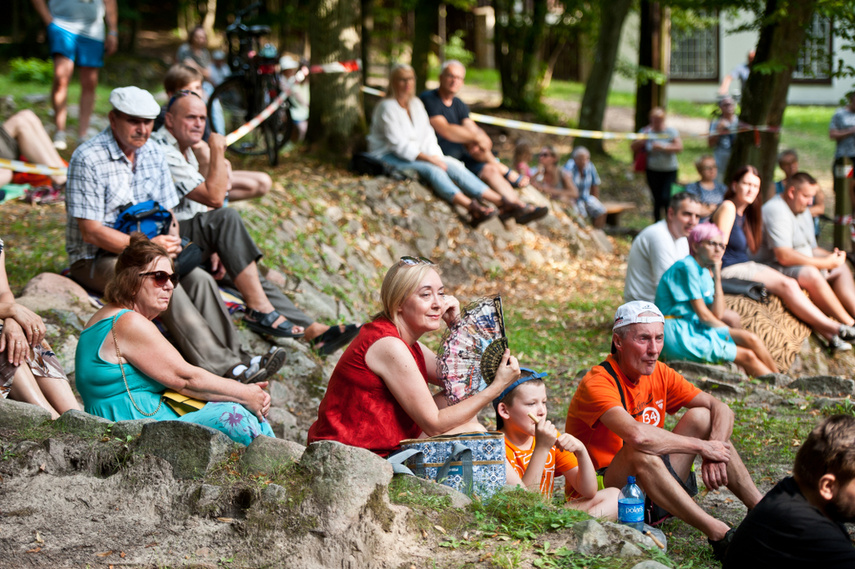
(284, 424)
(191, 449)
(823, 402)
(21, 416)
(602, 240)
(37, 98)
(207, 497)
(274, 494)
(764, 397)
(83, 424)
(332, 258)
(343, 479)
(334, 214)
(720, 388)
(649, 564)
(49, 291)
(124, 429)
(718, 373)
(591, 537)
(314, 302)
(629, 550)
(268, 456)
(775, 379)
(382, 255)
(458, 499)
(824, 385)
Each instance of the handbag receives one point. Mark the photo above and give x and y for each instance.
(639, 163)
(148, 217)
(472, 463)
(181, 404)
(751, 289)
(152, 219)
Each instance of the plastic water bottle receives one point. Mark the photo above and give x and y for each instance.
(631, 505)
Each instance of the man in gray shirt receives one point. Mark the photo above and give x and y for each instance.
(789, 246)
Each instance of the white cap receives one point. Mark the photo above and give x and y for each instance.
(629, 313)
(135, 102)
(288, 62)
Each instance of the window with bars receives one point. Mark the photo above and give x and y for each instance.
(814, 60)
(694, 54)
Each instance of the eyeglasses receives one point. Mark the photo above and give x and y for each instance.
(179, 94)
(160, 277)
(408, 260)
(715, 244)
(546, 154)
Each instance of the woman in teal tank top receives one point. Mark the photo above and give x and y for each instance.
(124, 364)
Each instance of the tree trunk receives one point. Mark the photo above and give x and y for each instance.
(612, 15)
(367, 31)
(210, 15)
(765, 96)
(518, 39)
(426, 23)
(336, 120)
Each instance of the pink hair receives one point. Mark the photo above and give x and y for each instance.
(702, 232)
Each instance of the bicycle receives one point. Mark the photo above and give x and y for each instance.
(253, 85)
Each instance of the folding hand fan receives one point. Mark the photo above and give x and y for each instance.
(472, 349)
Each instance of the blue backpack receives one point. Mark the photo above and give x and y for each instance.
(147, 217)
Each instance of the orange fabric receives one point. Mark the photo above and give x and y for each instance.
(35, 180)
(558, 462)
(663, 390)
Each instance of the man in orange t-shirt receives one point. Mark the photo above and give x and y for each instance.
(618, 414)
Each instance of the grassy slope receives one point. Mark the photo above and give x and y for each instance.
(560, 320)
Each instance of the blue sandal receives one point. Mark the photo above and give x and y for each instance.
(263, 324)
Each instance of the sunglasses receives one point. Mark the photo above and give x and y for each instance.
(408, 260)
(546, 154)
(179, 94)
(160, 277)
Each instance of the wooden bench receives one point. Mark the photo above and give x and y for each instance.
(613, 211)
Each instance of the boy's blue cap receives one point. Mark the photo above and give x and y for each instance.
(525, 375)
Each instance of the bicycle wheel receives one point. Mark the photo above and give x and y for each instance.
(278, 127)
(232, 104)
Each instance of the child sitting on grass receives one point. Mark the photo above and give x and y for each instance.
(535, 452)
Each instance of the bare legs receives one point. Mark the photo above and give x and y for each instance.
(63, 69)
(247, 184)
(665, 491)
(26, 128)
(48, 393)
(790, 293)
(751, 353)
(249, 285)
(829, 299)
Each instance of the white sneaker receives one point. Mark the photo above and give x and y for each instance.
(59, 141)
(838, 345)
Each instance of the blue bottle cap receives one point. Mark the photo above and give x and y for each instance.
(630, 479)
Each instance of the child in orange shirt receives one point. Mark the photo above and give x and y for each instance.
(535, 452)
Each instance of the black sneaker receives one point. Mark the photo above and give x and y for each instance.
(720, 547)
(846, 333)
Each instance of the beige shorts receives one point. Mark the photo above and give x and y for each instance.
(744, 271)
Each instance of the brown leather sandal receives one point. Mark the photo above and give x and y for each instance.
(479, 213)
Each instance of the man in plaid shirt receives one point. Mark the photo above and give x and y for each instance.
(118, 167)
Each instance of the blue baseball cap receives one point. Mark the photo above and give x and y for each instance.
(526, 374)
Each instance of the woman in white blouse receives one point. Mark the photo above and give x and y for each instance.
(401, 136)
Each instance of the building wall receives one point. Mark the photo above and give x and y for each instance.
(733, 50)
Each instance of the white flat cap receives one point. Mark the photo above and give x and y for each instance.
(135, 102)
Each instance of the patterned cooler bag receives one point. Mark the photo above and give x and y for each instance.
(472, 463)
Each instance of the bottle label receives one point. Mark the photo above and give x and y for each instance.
(631, 511)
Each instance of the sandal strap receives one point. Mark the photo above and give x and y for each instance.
(261, 318)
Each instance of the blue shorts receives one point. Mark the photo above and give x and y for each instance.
(84, 52)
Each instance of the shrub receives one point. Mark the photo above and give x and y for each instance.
(31, 70)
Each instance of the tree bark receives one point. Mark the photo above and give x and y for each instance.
(426, 23)
(367, 16)
(518, 39)
(765, 98)
(612, 15)
(336, 119)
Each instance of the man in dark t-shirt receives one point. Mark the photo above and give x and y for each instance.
(461, 138)
(799, 523)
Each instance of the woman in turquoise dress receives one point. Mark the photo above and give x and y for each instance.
(124, 364)
(691, 298)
